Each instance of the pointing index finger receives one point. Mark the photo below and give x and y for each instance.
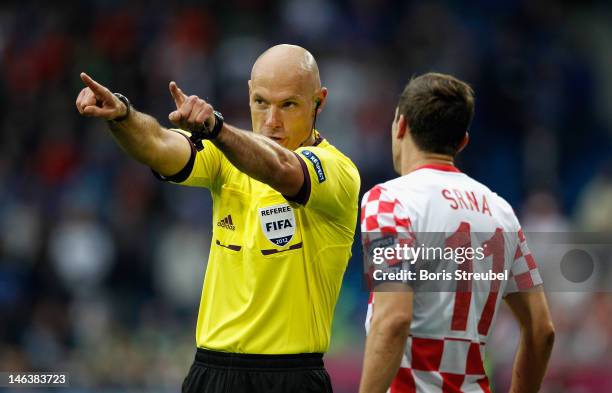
(177, 94)
(97, 88)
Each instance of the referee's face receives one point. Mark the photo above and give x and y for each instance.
(283, 106)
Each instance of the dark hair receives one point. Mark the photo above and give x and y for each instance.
(439, 109)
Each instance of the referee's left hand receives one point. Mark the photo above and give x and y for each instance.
(191, 111)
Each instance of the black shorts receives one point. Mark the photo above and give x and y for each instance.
(221, 372)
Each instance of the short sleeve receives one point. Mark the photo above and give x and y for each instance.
(384, 224)
(524, 273)
(203, 168)
(331, 181)
(382, 212)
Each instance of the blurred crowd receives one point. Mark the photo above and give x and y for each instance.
(101, 265)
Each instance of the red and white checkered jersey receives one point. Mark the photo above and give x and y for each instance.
(449, 330)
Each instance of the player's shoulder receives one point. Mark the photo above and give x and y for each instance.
(502, 208)
(505, 211)
(402, 188)
(383, 192)
(425, 177)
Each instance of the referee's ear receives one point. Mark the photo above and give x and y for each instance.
(320, 100)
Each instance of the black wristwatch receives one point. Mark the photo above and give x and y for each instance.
(127, 105)
(204, 132)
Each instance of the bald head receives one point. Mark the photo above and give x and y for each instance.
(287, 63)
(285, 95)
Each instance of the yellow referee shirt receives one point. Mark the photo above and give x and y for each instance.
(275, 266)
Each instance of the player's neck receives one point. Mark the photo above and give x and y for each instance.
(410, 163)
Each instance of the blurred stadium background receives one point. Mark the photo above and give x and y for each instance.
(101, 265)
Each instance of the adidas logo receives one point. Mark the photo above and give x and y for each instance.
(227, 223)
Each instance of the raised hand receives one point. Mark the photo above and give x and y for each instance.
(191, 112)
(96, 100)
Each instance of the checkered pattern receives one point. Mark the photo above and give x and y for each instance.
(381, 212)
(524, 273)
(383, 215)
(446, 365)
(383, 218)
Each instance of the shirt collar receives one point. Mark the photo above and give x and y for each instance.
(439, 167)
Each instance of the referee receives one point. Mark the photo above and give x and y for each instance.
(284, 214)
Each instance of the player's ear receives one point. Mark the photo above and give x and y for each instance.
(402, 126)
(464, 141)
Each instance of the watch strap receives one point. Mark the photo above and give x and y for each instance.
(128, 106)
(204, 132)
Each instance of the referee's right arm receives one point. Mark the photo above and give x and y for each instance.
(139, 134)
